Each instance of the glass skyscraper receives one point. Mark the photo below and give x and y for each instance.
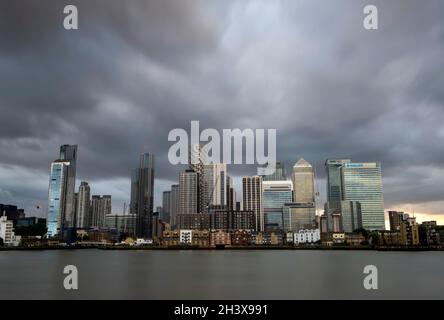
(334, 179)
(362, 182)
(61, 206)
(276, 195)
(142, 188)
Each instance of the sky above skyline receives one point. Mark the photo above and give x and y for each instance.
(137, 69)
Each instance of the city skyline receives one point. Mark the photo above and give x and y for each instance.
(329, 90)
(301, 163)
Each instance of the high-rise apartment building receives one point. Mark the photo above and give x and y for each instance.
(188, 192)
(61, 205)
(252, 199)
(83, 206)
(142, 188)
(100, 209)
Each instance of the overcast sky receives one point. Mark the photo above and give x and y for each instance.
(137, 69)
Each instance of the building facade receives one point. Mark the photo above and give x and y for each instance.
(193, 221)
(299, 216)
(231, 220)
(362, 182)
(189, 192)
(307, 236)
(276, 194)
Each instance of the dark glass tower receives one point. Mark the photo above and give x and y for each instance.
(142, 189)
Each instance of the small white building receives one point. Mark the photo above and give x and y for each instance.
(186, 236)
(7, 232)
(307, 236)
(141, 242)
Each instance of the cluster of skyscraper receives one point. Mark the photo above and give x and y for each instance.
(68, 210)
(270, 203)
(354, 195)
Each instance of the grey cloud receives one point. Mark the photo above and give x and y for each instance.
(135, 70)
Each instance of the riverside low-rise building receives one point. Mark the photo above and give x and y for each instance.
(173, 238)
(307, 236)
(220, 238)
(240, 238)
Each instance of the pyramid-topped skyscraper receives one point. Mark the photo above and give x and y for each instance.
(303, 182)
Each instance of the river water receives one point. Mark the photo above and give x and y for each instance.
(224, 274)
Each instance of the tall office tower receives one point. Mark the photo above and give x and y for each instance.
(334, 188)
(100, 208)
(174, 204)
(362, 182)
(276, 195)
(231, 194)
(395, 219)
(303, 182)
(69, 153)
(334, 180)
(142, 187)
(351, 216)
(83, 206)
(188, 192)
(62, 179)
(198, 159)
(166, 202)
(215, 180)
(279, 173)
(252, 199)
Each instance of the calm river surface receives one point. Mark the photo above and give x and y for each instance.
(225, 274)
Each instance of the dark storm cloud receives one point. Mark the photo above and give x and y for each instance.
(137, 69)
